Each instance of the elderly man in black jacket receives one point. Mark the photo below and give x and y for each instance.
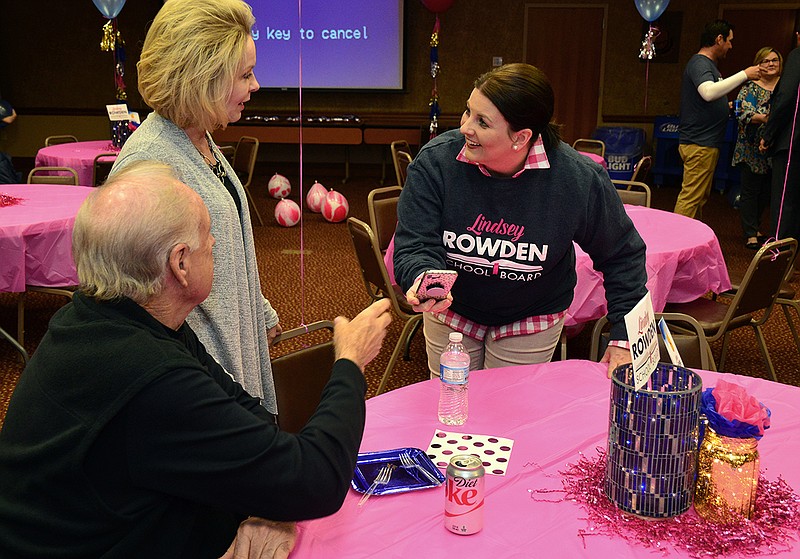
(124, 438)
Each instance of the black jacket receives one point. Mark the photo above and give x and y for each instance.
(124, 438)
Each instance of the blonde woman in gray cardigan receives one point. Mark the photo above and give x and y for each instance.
(196, 72)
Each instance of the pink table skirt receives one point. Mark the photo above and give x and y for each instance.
(78, 155)
(684, 261)
(596, 158)
(553, 412)
(36, 235)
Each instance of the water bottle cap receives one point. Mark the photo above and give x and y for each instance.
(456, 337)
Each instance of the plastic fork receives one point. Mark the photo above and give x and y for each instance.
(383, 477)
(408, 462)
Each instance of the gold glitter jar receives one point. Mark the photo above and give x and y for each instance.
(727, 478)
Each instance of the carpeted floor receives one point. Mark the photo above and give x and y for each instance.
(329, 283)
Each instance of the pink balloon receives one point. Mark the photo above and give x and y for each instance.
(336, 207)
(316, 197)
(287, 213)
(437, 6)
(279, 186)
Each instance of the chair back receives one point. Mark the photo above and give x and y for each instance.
(378, 285)
(590, 146)
(373, 269)
(101, 167)
(301, 375)
(762, 281)
(244, 158)
(382, 205)
(404, 159)
(633, 192)
(690, 340)
(59, 139)
(60, 175)
(400, 165)
(642, 168)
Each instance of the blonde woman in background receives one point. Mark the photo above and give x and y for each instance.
(196, 72)
(756, 173)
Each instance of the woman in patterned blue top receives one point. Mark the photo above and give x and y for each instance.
(754, 165)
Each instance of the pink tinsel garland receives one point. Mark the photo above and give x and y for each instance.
(772, 530)
(8, 200)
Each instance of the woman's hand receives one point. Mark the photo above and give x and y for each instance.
(615, 356)
(428, 305)
(273, 333)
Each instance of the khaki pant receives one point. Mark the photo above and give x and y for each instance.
(699, 164)
(488, 354)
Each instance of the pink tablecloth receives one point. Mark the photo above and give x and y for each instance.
(596, 158)
(78, 155)
(36, 235)
(684, 261)
(553, 412)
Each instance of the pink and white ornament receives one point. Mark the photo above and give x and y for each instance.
(316, 197)
(336, 207)
(287, 213)
(279, 186)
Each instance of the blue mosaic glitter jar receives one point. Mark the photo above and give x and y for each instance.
(653, 441)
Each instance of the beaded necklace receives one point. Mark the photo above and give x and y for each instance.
(215, 165)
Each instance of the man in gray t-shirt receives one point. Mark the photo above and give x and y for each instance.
(704, 113)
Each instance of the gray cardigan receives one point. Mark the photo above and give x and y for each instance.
(233, 322)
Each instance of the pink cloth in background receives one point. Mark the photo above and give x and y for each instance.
(78, 155)
(596, 158)
(553, 412)
(684, 262)
(36, 235)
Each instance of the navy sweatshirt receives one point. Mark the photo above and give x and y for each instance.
(511, 239)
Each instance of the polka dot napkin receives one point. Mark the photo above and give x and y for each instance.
(494, 451)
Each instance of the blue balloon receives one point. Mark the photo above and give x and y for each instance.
(109, 8)
(650, 10)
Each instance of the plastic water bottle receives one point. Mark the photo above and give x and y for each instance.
(454, 375)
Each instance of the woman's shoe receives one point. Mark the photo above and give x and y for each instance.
(752, 243)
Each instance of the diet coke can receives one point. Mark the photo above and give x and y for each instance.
(463, 505)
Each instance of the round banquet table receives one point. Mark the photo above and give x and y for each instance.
(684, 262)
(553, 413)
(36, 235)
(78, 155)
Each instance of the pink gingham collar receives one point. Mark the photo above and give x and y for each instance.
(537, 158)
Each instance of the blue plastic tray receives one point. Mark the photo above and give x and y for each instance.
(403, 479)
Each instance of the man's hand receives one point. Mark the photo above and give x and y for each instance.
(753, 73)
(428, 305)
(615, 356)
(258, 538)
(360, 339)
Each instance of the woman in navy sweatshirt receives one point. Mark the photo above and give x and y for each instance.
(501, 201)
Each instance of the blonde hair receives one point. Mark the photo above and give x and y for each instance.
(763, 52)
(125, 230)
(190, 56)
